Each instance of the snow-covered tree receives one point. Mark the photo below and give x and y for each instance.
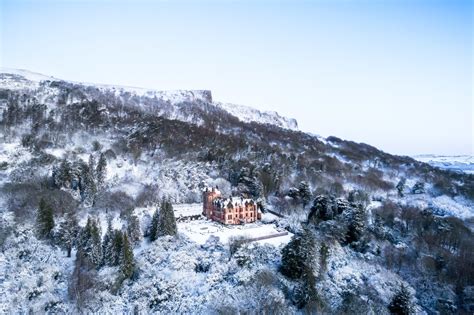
(44, 219)
(107, 246)
(322, 209)
(357, 225)
(91, 165)
(401, 187)
(127, 264)
(306, 296)
(68, 232)
(117, 247)
(270, 179)
(401, 303)
(299, 255)
(87, 186)
(90, 241)
(304, 193)
(101, 171)
(133, 229)
(418, 188)
(248, 184)
(62, 174)
(153, 231)
(167, 221)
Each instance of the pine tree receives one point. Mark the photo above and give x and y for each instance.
(133, 229)
(91, 166)
(357, 225)
(248, 184)
(401, 187)
(299, 256)
(418, 188)
(154, 226)
(401, 302)
(269, 178)
(62, 175)
(44, 219)
(101, 170)
(117, 245)
(304, 193)
(322, 209)
(306, 295)
(167, 220)
(68, 232)
(107, 246)
(90, 242)
(87, 185)
(127, 264)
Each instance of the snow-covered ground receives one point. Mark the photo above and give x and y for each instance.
(200, 230)
(246, 113)
(459, 163)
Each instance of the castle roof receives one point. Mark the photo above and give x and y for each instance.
(233, 201)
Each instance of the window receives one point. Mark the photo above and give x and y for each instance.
(229, 216)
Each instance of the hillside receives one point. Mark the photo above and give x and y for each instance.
(457, 163)
(103, 153)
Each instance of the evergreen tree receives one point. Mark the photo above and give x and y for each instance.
(306, 296)
(91, 166)
(248, 184)
(167, 220)
(87, 185)
(401, 187)
(304, 193)
(68, 232)
(154, 226)
(127, 264)
(101, 171)
(107, 246)
(299, 256)
(356, 226)
(418, 188)
(401, 302)
(117, 245)
(44, 219)
(322, 209)
(90, 242)
(294, 193)
(133, 229)
(62, 174)
(270, 179)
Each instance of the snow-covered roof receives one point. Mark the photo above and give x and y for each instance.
(234, 201)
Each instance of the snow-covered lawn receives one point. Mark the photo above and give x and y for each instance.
(187, 209)
(199, 231)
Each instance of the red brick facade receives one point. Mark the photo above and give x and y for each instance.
(234, 210)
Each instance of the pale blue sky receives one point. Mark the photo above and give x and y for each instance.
(394, 74)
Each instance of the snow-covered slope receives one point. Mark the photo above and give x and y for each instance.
(246, 113)
(459, 163)
(18, 79)
(24, 79)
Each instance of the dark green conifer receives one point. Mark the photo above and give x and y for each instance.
(68, 232)
(401, 302)
(127, 264)
(167, 220)
(101, 171)
(44, 219)
(154, 226)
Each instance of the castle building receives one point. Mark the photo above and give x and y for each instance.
(234, 210)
